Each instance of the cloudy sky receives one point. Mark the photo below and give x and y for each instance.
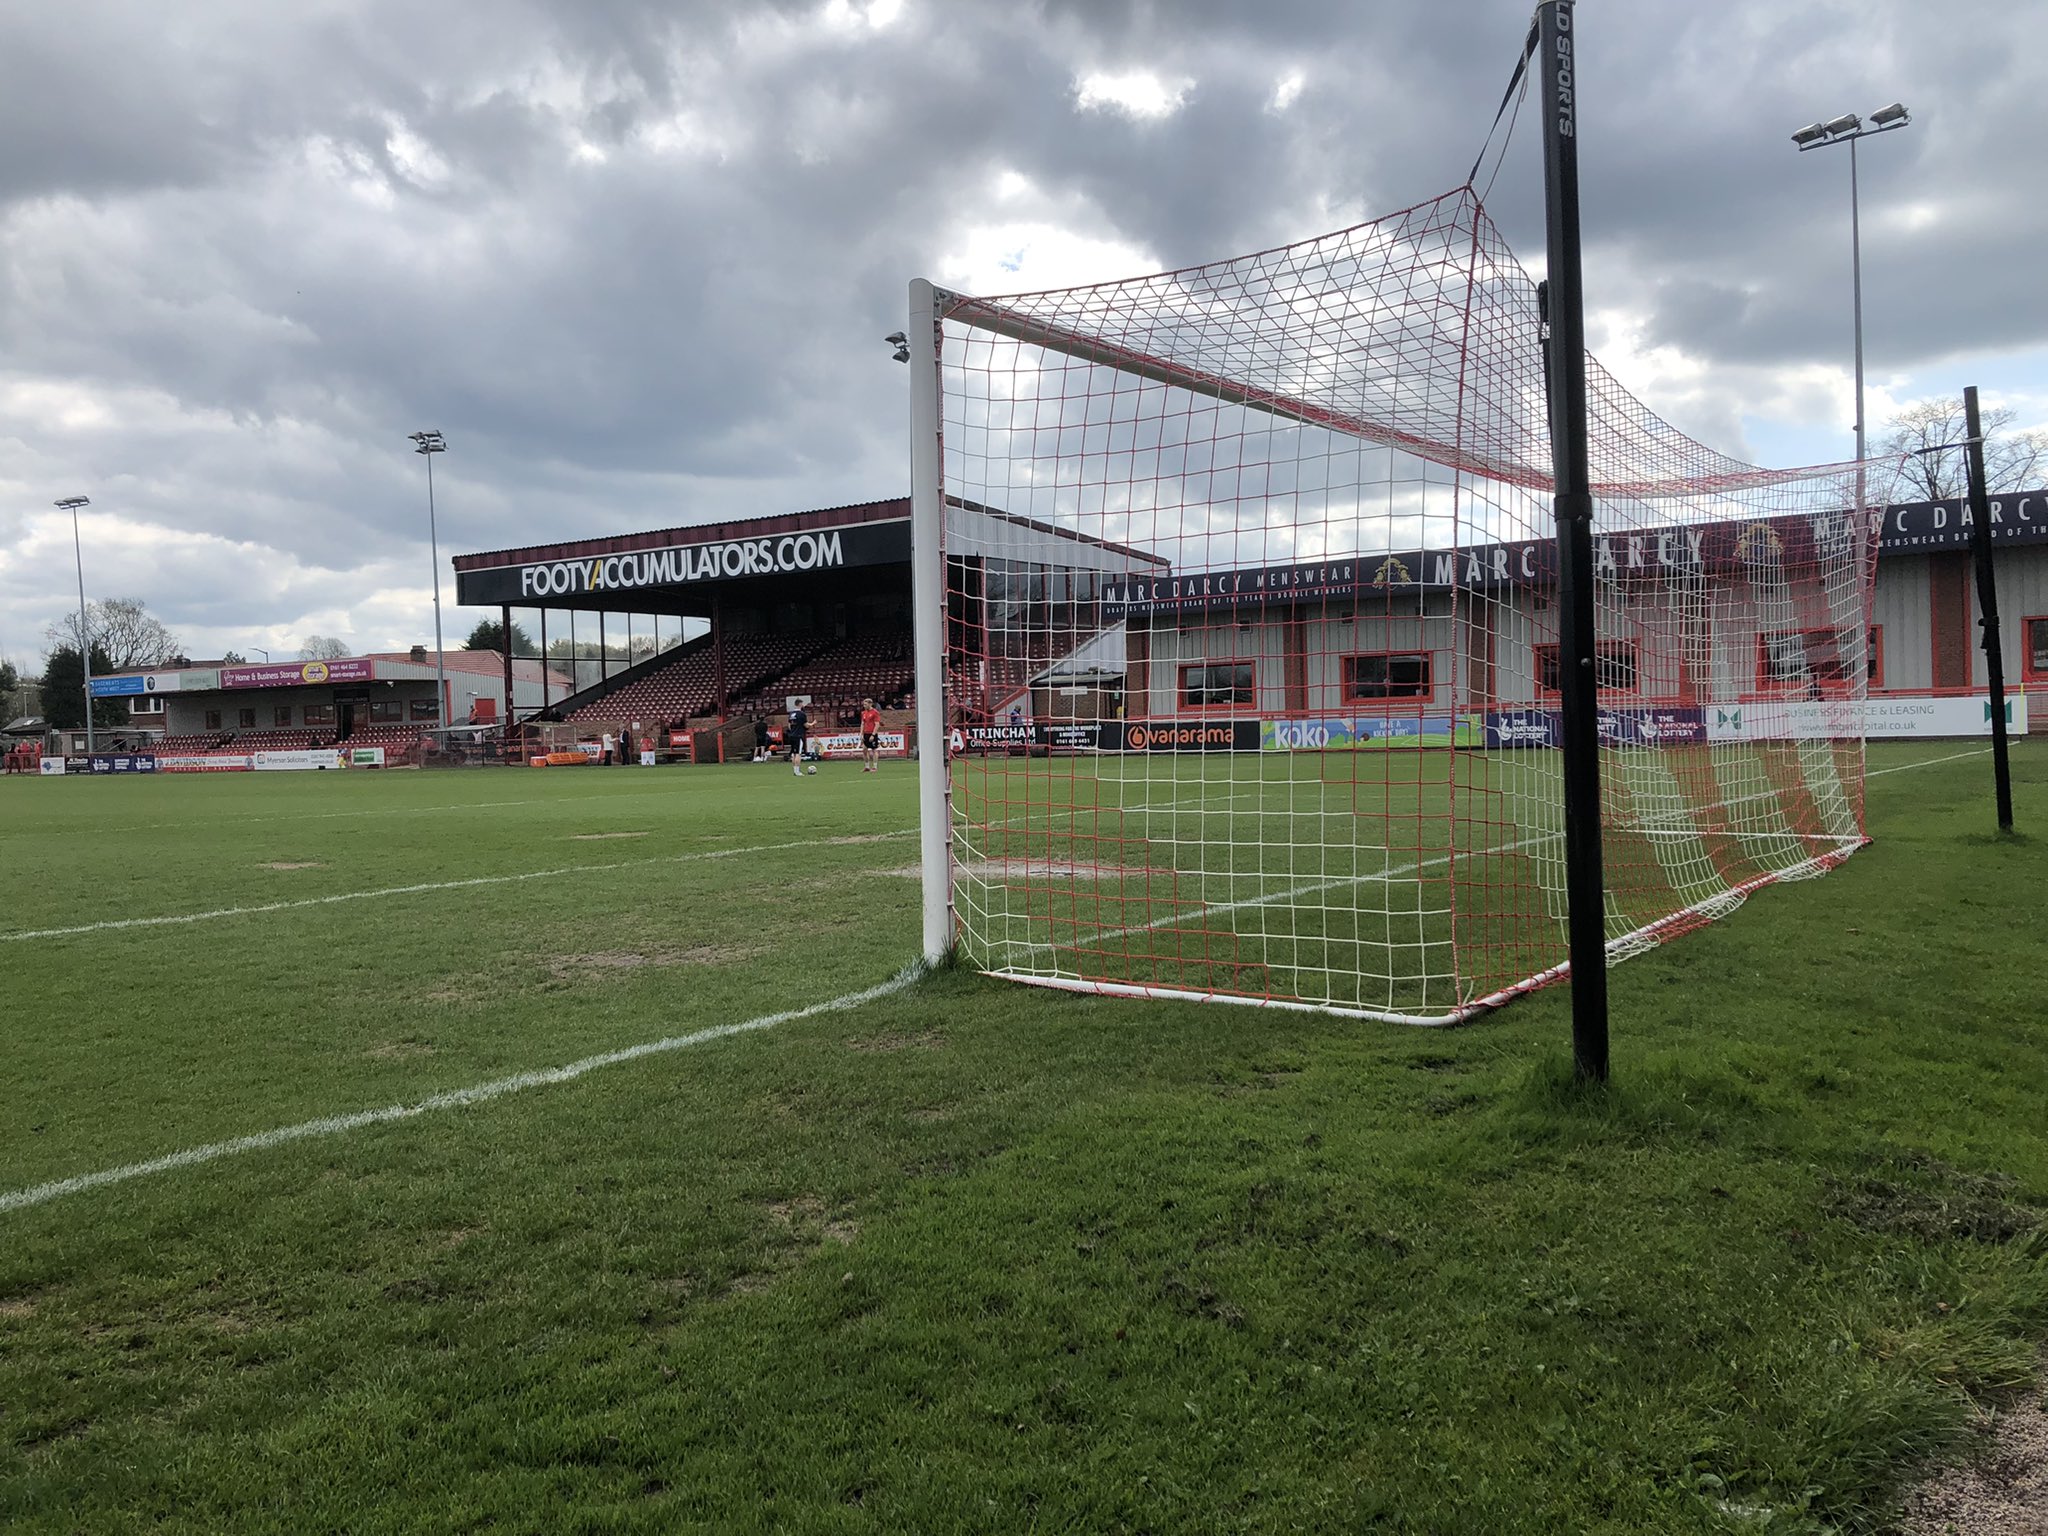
(635, 257)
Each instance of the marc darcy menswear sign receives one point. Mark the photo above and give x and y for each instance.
(677, 565)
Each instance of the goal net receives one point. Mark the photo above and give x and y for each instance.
(1251, 662)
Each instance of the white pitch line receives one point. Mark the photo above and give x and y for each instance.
(434, 885)
(455, 1098)
(395, 810)
(1928, 762)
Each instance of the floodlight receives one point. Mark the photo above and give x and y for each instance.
(1811, 133)
(1848, 122)
(1884, 116)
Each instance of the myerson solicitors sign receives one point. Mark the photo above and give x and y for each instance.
(677, 565)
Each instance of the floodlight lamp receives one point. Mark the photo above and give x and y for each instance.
(428, 442)
(1848, 122)
(1884, 117)
(901, 354)
(73, 503)
(897, 339)
(1811, 133)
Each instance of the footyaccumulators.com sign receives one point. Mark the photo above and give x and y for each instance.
(679, 565)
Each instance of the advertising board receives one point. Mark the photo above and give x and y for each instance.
(298, 761)
(1359, 733)
(122, 762)
(1186, 736)
(293, 674)
(52, 767)
(203, 762)
(847, 744)
(1885, 716)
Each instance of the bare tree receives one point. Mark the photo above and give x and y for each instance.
(124, 632)
(324, 648)
(2013, 461)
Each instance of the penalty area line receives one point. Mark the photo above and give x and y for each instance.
(456, 1098)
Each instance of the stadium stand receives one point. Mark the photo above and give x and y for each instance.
(864, 666)
(684, 688)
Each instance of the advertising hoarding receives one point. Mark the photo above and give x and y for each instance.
(1360, 733)
(298, 673)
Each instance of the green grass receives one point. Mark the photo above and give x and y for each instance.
(974, 1256)
(1401, 884)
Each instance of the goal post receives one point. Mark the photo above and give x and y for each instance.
(1241, 671)
(928, 623)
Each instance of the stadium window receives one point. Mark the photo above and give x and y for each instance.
(281, 715)
(1216, 685)
(245, 719)
(1792, 659)
(213, 719)
(1392, 675)
(319, 714)
(1616, 667)
(2034, 649)
(386, 709)
(426, 709)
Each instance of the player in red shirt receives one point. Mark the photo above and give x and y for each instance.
(870, 736)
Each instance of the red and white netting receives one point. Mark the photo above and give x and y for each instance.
(1251, 641)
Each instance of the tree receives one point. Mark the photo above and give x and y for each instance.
(2013, 461)
(10, 686)
(234, 658)
(64, 689)
(124, 632)
(324, 648)
(489, 635)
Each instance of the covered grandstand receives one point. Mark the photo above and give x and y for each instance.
(688, 636)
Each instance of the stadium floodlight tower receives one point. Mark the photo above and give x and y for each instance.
(1847, 129)
(429, 444)
(71, 504)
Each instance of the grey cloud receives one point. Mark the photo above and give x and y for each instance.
(205, 210)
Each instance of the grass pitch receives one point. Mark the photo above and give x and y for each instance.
(969, 1256)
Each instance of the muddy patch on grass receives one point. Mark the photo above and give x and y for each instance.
(923, 1040)
(2003, 1491)
(592, 964)
(853, 838)
(1922, 1197)
(399, 1050)
(807, 1219)
(288, 864)
(601, 837)
(14, 1308)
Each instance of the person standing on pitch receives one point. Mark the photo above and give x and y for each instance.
(870, 736)
(799, 727)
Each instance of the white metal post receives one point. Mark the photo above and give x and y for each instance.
(1856, 288)
(928, 622)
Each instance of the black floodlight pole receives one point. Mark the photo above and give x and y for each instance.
(1578, 683)
(1987, 606)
